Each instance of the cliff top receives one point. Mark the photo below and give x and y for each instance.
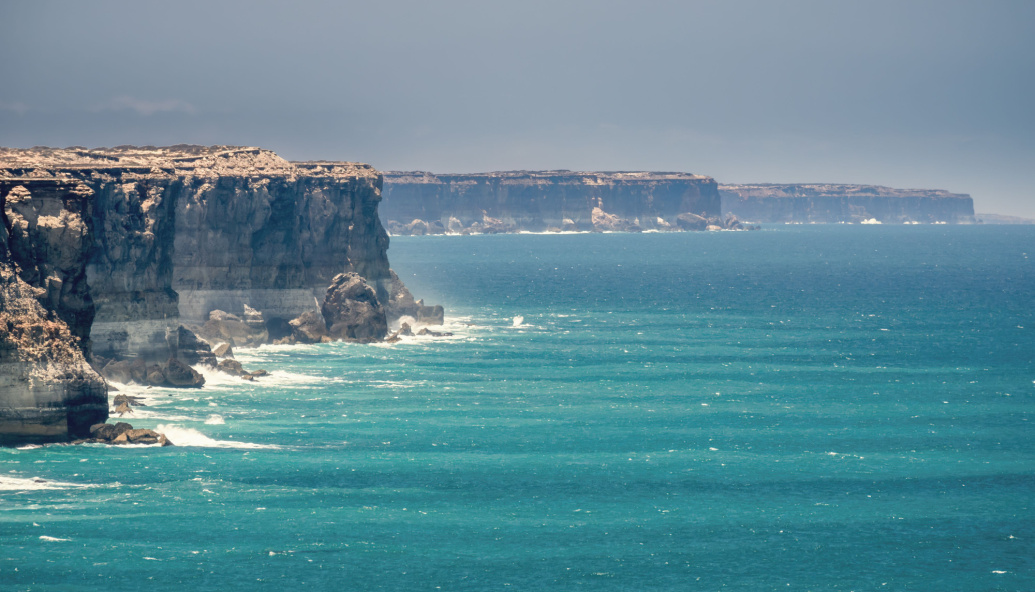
(778, 190)
(555, 175)
(46, 162)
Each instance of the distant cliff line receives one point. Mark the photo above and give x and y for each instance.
(419, 202)
(820, 203)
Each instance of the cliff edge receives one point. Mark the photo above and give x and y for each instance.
(118, 255)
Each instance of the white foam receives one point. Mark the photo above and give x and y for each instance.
(518, 321)
(53, 539)
(215, 420)
(35, 484)
(188, 437)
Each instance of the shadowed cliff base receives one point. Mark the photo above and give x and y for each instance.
(112, 255)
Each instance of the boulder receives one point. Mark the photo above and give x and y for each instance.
(223, 350)
(118, 371)
(308, 327)
(192, 350)
(222, 326)
(128, 399)
(232, 367)
(691, 221)
(430, 315)
(103, 431)
(155, 375)
(429, 333)
(351, 310)
(179, 374)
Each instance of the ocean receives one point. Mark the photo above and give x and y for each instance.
(796, 408)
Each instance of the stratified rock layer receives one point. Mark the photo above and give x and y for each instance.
(109, 252)
(826, 204)
(426, 203)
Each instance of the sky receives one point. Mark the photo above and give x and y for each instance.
(910, 94)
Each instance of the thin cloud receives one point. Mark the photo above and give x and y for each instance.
(17, 107)
(144, 106)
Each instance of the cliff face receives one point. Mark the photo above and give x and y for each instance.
(116, 248)
(844, 203)
(47, 389)
(541, 200)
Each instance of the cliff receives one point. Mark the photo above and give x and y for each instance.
(109, 252)
(48, 391)
(823, 203)
(544, 200)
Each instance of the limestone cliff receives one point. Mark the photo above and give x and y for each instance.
(825, 203)
(47, 390)
(111, 251)
(544, 200)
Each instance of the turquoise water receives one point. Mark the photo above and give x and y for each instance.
(800, 408)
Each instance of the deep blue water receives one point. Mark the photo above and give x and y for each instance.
(800, 408)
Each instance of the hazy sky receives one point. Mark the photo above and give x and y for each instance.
(937, 94)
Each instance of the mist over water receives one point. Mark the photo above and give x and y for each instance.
(800, 408)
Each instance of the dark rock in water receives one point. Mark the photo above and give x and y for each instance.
(155, 376)
(690, 221)
(103, 431)
(400, 301)
(351, 310)
(123, 409)
(430, 315)
(192, 350)
(259, 373)
(124, 433)
(430, 333)
(232, 367)
(179, 374)
(129, 400)
(404, 331)
(118, 371)
(223, 350)
(309, 327)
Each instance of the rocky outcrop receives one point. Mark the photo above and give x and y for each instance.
(402, 304)
(352, 311)
(426, 203)
(122, 433)
(48, 391)
(826, 204)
